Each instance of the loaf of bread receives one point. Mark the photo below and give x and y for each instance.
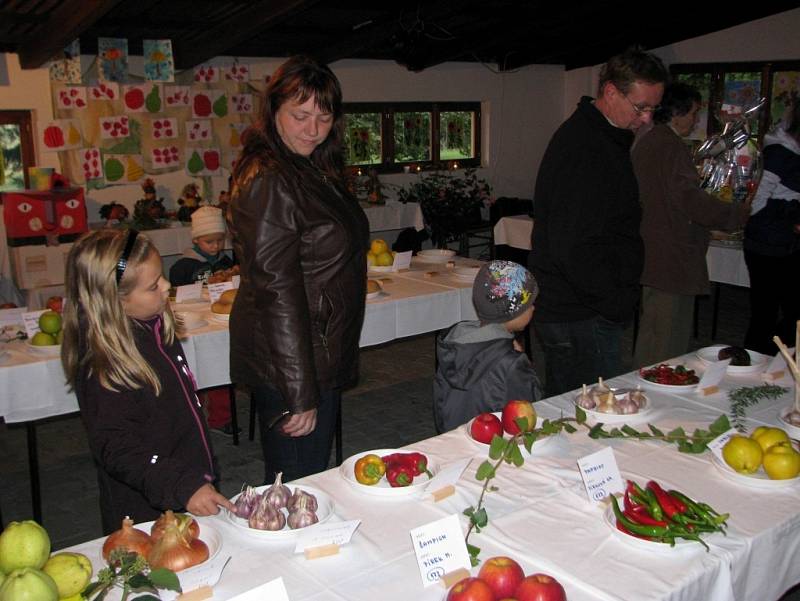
(225, 303)
(373, 286)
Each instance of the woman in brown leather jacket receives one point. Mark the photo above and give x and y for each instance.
(301, 239)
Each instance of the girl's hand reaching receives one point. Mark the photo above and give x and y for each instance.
(207, 501)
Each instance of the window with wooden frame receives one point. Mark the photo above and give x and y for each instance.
(392, 137)
(16, 144)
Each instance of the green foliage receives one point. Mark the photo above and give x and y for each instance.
(455, 135)
(412, 137)
(362, 138)
(131, 573)
(747, 396)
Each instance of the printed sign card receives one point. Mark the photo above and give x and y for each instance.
(123, 168)
(104, 91)
(91, 163)
(165, 128)
(777, 368)
(62, 134)
(709, 383)
(158, 62)
(237, 72)
(216, 290)
(112, 59)
(209, 104)
(402, 261)
(113, 128)
(203, 162)
(141, 98)
(715, 446)
(67, 68)
(440, 549)
(274, 590)
(177, 96)
(206, 74)
(331, 533)
(601, 475)
(31, 322)
(189, 292)
(242, 103)
(72, 97)
(198, 131)
(165, 156)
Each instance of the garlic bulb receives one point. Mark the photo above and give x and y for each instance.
(278, 494)
(601, 388)
(584, 400)
(297, 497)
(302, 515)
(246, 502)
(638, 397)
(626, 406)
(266, 517)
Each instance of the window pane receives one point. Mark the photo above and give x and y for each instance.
(702, 83)
(412, 137)
(785, 87)
(456, 138)
(11, 170)
(363, 138)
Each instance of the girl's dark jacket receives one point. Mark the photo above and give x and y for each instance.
(152, 452)
(297, 318)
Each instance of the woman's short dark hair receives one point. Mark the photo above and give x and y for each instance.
(632, 65)
(677, 101)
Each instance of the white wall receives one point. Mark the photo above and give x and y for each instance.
(772, 38)
(520, 111)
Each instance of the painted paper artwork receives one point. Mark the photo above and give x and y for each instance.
(235, 138)
(67, 68)
(114, 128)
(785, 91)
(104, 91)
(112, 59)
(242, 103)
(158, 61)
(237, 72)
(72, 97)
(141, 98)
(198, 131)
(177, 96)
(165, 156)
(165, 129)
(62, 134)
(123, 168)
(203, 161)
(92, 164)
(206, 74)
(209, 103)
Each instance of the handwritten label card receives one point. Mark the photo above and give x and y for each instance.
(31, 322)
(709, 383)
(777, 367)
(216, 290)
(600, 474)
(235, 279)
(402, 261)
(189, 292)
(12, 317)
(715, 446)
(274, 590)
(447, 476)
(333, 533)
(206, 574)
(440, 549)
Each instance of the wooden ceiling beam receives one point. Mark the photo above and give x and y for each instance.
(234, 30)
(64, 24)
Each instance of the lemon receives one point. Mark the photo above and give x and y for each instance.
(767, 437)
(378, 246)
(385, 259)
(743, 454)
(781, 461)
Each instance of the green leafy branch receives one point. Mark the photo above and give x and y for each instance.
(507, 450)
(747, 396)
(131, 572)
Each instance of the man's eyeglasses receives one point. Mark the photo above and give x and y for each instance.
(641, 110)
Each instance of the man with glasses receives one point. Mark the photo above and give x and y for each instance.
(676, 218)
(587, 252)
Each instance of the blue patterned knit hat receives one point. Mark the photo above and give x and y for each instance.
(502, 290)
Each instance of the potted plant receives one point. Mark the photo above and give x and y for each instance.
(449, 204)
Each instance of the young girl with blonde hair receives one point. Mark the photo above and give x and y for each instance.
(122, 358)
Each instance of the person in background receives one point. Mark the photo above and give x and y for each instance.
(772, 240)
(676, 218)
(587, 252)
(205, 257)
(122, 358)
(301, 239)
(207, 254)
(481, 365)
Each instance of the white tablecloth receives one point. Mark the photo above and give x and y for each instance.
(32, 385)
(540, 516)
(725, 261)
(393, 215)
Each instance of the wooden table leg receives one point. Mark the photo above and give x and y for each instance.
(33, 472)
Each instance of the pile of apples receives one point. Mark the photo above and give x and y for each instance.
(28, 571)
(379, 254)
(50, 332)
(502, 578)
(487, 425)
(767, 447)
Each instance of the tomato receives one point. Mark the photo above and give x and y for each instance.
(671, 376)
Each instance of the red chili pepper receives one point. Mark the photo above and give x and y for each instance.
(622, 528)
(641, 516)
(664, 499)
(399, 475)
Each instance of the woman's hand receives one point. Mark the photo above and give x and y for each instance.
(300, 424)
(207, 501)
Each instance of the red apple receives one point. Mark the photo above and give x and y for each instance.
(55, 303)
(470, 589)
(513, 411)
(540, 587)
(485, 426)
(502, 574)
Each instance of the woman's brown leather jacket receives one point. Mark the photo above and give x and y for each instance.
(297, 318)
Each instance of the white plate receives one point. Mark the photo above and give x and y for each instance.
(383, 488)
(618, 418)
(324, 513)
(51, 350)
(709, 355)
(198, 305)
(467, 273)
(658, 386)
(191, 320)
(435, 255)
(757, 480)
(221, 317)
(381, 268)
(539, 444)
(371, 295)
(681, 545)
(791, 429)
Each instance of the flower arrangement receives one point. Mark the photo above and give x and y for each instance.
(449, 204)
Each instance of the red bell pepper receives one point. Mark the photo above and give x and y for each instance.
(399, 475)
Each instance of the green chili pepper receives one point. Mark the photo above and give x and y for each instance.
(657, 532)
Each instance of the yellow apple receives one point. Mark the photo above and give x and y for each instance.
(385, 259)
(781, 461)
(43, 339)
(378, 246)
(743, 454)
(766, 437)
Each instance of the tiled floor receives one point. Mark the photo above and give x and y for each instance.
(392, 406)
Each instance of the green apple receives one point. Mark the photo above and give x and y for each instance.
(50, 322)
(23, 545)
(28, 584)
(43, 339)
(70, 571)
